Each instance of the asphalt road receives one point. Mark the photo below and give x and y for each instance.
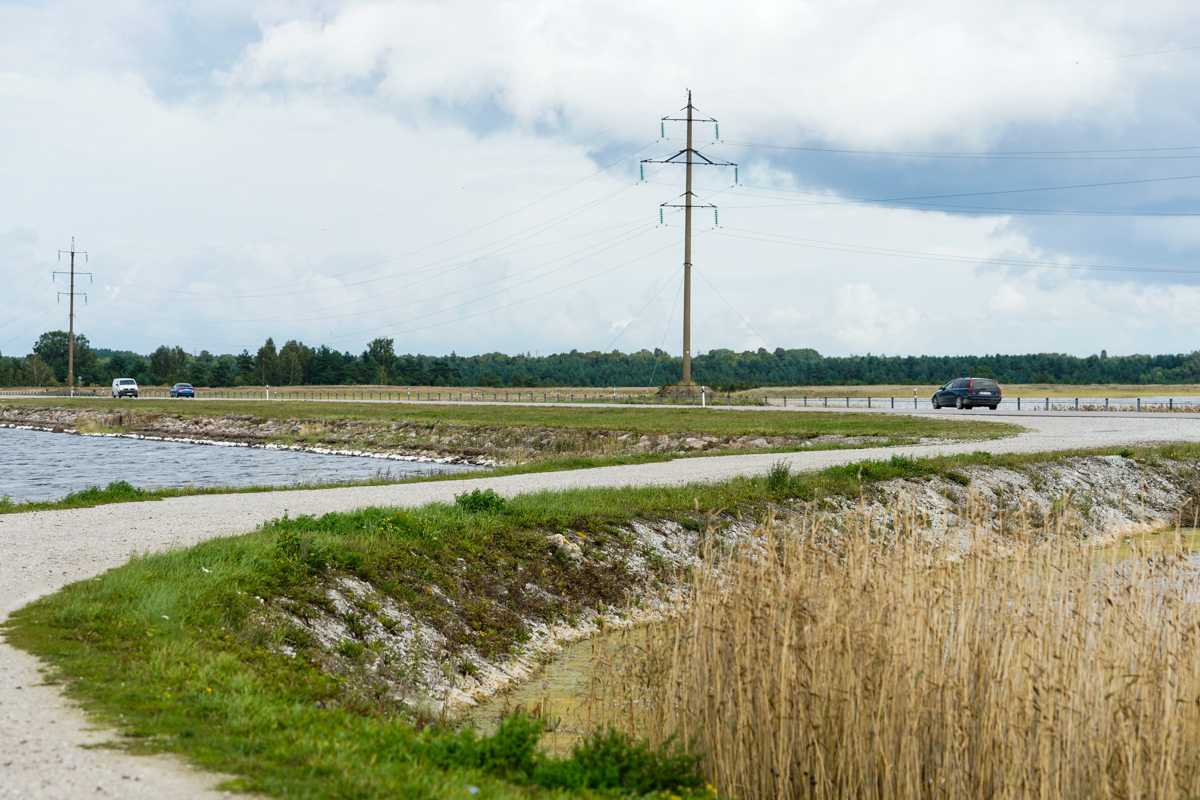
(41, 733)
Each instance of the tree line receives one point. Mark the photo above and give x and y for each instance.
(296, 364)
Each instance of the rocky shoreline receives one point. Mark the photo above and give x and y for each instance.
(442, 443)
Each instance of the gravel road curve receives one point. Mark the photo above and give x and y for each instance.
(41, 733)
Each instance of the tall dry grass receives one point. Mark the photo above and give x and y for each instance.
(870, 665)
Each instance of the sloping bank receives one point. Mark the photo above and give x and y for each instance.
(313, 651)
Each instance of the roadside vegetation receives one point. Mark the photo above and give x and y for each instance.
(215, 651)
(125, 492)
(870, 665)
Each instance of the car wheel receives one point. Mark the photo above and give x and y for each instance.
(958, 403)
(936, 404)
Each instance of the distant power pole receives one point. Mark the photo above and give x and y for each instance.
(71, 313)
(688, 156)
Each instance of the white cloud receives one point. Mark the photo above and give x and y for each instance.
(1008, 303)
(331, 179)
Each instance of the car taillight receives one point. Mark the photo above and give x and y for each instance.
(970, 383)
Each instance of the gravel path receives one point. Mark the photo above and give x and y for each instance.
(41, 733)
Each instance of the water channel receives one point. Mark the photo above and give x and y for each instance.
(39, 466)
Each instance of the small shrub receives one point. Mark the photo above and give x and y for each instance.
(737, 386)
(351, 650)
(477, 501)
(357, 624)
(510, 752)
(779, 478)
(611, 760)
(958, 477)
(300, 549)
(608, 760)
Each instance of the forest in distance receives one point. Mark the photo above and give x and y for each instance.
(296, 364)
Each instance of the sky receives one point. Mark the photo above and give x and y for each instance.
(912, 177)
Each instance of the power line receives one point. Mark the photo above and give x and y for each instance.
(733, 309)
(418, 250)
(636, 317)
(618, 239)
(400, 208)
(820, 244)
(849, 200)
(517, 302)
(1030, 155)
(666, 330)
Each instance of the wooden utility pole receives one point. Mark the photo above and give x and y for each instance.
(71, 313)
(688, 156)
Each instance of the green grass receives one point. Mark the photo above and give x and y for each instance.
(124, 492)
(174, 649)
(637, 419)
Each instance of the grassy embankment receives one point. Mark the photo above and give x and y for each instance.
(635, 419)
(125, 492)
(177, 651)
(864, 431)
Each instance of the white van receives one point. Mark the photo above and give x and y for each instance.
(124, 386)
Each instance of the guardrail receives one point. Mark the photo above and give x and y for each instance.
(1147, 404)
(1142, 404)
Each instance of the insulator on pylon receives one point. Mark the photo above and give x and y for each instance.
(735, 176)
(662, 130)
(642, 170)
(717, 125)
(660, 218)
(716, 218)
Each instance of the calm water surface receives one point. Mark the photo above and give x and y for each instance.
(36, 465)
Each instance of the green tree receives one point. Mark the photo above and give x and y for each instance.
(52, 348)
(38, 373)
(245, 363)
(166, 364)
(266, 366)
(222, 372)
(295, 363)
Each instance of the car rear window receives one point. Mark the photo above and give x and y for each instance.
(984, 385)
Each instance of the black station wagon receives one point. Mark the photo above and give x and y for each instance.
(968, 393)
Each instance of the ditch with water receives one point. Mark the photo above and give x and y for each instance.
(39, 466)
(559, 693)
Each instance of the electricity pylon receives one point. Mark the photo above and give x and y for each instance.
(71, 312)
(688, 156)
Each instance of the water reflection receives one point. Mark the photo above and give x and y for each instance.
(37, 466)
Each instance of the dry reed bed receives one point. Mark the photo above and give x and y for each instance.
(870, 665)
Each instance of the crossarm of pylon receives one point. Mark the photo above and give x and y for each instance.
(702, 161)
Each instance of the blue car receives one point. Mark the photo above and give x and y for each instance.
(968, 393)
(183, 390)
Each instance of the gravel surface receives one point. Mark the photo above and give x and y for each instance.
(41, 734)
